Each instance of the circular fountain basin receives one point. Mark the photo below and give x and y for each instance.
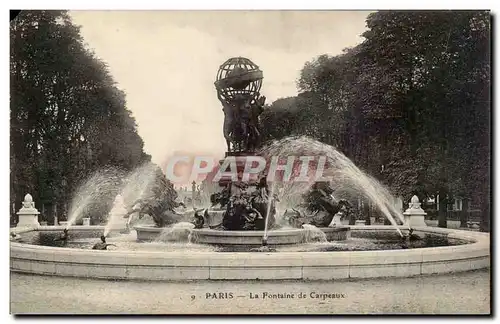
(276, 237)
(199, 265)
(219, 237)
(248, 238)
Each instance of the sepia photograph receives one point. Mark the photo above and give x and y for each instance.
(250, 162)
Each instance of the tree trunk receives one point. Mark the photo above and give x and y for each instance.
(367, 212)
(443, 208)
(485, 218)
(353, 213)
(56, 217)
(464, 213)
(484, 225)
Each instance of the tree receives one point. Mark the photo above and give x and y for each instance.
(68, 119)
(442, 62)
(410, 104)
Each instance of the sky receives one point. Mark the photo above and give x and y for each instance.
(166, 62)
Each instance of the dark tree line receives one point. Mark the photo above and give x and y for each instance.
(410, 104)
(68, 119)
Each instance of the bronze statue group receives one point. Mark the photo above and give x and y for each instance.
(241, 121)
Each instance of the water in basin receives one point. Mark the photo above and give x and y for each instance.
(359, 241)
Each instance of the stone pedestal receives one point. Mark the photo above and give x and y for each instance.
(415, 215)
(28, 214)
(86, 221)
(240, 160)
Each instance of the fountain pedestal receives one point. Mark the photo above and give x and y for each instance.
(250, 201)
(414, 215)
(28, 214)
(240, 160)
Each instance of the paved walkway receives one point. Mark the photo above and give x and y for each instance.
(446, 294)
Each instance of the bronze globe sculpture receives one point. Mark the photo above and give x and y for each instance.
(239, 76)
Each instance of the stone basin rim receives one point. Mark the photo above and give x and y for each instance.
(182, 266)
(284, 236)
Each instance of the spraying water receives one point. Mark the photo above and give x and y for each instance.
(115, 217)
(347, 179)
(138, 183)
(313, 234)
(95, 190)
(270, 199)
(182, 231)
(137, 186)
(133, 215)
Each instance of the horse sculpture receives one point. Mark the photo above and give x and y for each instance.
(320, 207)
(317, 218)
(161, 211)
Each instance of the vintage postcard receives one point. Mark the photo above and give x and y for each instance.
(250, 162)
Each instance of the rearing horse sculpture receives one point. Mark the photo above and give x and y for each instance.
(318, 218)
(320, 206)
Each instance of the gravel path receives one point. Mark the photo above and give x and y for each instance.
(445, 294)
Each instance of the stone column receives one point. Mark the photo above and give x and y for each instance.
(415, 215)
(28, 214)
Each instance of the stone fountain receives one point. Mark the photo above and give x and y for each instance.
(246, 217)
(245, 212)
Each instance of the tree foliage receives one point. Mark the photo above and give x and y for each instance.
(67, 116)
(410, 104)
